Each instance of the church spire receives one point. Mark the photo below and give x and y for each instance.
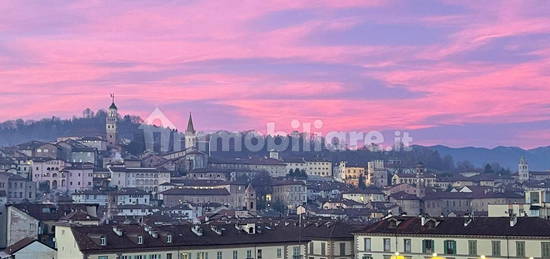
(113, 106)
(190, 128)
(522, 160)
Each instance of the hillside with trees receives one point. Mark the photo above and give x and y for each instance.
(91, 123)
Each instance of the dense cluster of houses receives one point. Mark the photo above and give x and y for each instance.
(85, 197)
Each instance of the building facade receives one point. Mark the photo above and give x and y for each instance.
(292, 193)
(180, 241)
(460, 238)
(148, 179)
(377, 175)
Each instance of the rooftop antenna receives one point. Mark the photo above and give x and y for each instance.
(113, 97)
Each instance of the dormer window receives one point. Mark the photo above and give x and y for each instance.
(140, 240)
(103, 240)
(393, 224)
(169, 239)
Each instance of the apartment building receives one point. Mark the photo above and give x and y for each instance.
(148, 179)
(458, 238)
(215, 241)
(292, 193)
(312, 167)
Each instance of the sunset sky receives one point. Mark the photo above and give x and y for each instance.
(459, 73)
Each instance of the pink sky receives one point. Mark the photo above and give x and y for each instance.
(451, 72)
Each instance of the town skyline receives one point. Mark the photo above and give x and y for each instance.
(272, 128)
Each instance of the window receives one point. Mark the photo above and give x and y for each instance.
(140, 240)
(428, 246)
(545, 249)
(202, 255)
(259, 255)
(235, 254)
(311, 248)
(342, 249)
(279, 253)
(407, 245)
(103, 241)
(535, 197)
(169, 239)
(472, 247)
(219, 255)
(450, 247)
(367, 244)
(495, 248)
(169, 256)
(248, 253)
(387, 244)
(323, 248)
(296, 252)
(520, 248)
(102, 257)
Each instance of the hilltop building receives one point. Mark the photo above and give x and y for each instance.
(111, 124)
(523, 170)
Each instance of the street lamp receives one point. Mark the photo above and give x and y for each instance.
(397, 256)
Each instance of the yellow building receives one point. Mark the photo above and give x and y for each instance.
(351, 174)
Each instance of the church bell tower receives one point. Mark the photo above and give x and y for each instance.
(111, 123)
(190, 135)
(523, 170)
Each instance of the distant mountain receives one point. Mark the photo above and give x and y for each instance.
(508, 157)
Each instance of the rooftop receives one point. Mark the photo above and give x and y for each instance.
(459, 226)
(196, 192)
(186, 235)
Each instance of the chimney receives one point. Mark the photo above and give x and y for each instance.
(423, 220)
(197, 230)
(469, 220)
(117, 231)
(513, 220)
(216, 230)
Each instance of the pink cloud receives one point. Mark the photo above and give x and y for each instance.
(149, 53)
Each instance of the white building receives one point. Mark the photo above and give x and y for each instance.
(537, 204)
(147, 179)
(29, 248)
(78, 177)
(377, 175)
(312, 167)
(292, 193)
(46, 170)
(274, 167)
(125, 196)
(458, 237)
